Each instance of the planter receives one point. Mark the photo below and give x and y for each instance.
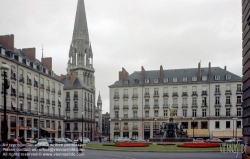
(199, 144)
(131, 144)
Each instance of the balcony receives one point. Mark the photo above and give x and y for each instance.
(165, 94)
(135, 127)
(194, 93)
(47, 88)
(13, 76)
(165, 106)
(125, 128)
(29, 96)
(184, 94)
(21, 79)
(29, 82)
(204, 93)
(135, 107)
(134, 95)
(116, 128)
(175, 105)
(47, 101)
(217, 105)
(156, 95)
(228, 105)
(146, 106)
(67, 108)
(146, 95)
(13, 93)
(156, 106)
(125, 106)
(75, 97)
(203, 104)
(53, 90)
(228, 92)
(238, 91)
(41, 86)
(194, 105)
(217, 93)
(59, 92)
(116, 96)
(42, 100)
(53, 102)
(75, 109)
(67, 98)
(125, 96)
(36, 98)
(116, 107)
(175, 94)
(75, 128)
(184, 105)
(21, 95)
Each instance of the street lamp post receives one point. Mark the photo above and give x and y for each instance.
(235, 128)
(38, 134)
(82, 126)
(155, 126)
(5, 68)
(109, 129)
(120, 127)
(193, 128)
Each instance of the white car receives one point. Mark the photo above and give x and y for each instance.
(122, 139)
(31, 140)
(232, 140)
(63, 141)
(85, 140)
(139, 140)
(42, 143)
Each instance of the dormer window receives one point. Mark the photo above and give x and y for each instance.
(228, 77)
(136, 81)
(147, 80)
(165, 80)
(126, 82)
(217, 77)
(156, 80)
(2, 51)
(27, 62)
(175, 79)
(204, 78)
(184, 79)
(194, 78)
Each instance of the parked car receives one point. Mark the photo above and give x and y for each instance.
(63, 141)
(13, 141)
(122, 139)
(232, 140)
(57, 141)
(68, 140)
(214, 140)
(51, 141)
(199, 140)
(85, 140)
(139, 140)
(31, 141)
(42, 143)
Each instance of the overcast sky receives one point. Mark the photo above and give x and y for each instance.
(130, 34)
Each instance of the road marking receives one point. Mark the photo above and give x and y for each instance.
(112, 155)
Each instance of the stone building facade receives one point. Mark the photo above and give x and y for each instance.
(34, 98)
(205, 101)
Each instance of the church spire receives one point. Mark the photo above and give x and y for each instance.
(80, 53)
(99, 101)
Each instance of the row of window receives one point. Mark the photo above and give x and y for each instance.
(184, 113)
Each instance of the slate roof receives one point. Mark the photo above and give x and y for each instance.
(77, 85)
(179, 74)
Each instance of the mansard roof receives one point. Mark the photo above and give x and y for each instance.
(77, 84)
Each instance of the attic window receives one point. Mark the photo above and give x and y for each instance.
(184, 79)
(2, 51)
(126, 82)
(147, 80)
(217, 77)
(175, 79)
(204, 78)
(194, 78)
(136, 81)
(228, 77)
(165, 80)
(156, 80)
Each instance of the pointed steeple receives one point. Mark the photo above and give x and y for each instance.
(42, 50)
(99, 101)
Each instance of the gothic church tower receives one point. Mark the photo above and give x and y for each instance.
(80, 52)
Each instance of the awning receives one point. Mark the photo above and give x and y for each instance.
(49, 130)
(197, 132)
(13, 103)
(13, 85)
(227, 134)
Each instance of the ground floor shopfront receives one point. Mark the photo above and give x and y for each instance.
(28, 126)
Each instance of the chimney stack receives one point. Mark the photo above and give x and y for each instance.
(161, 73)
(199, 70)
(47, 61)
(225, 67)
(209, 69)
(73, 79)
(30, 53)
(7, 41)
(123, 74)
(142, 74)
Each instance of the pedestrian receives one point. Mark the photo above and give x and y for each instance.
(100, 139)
